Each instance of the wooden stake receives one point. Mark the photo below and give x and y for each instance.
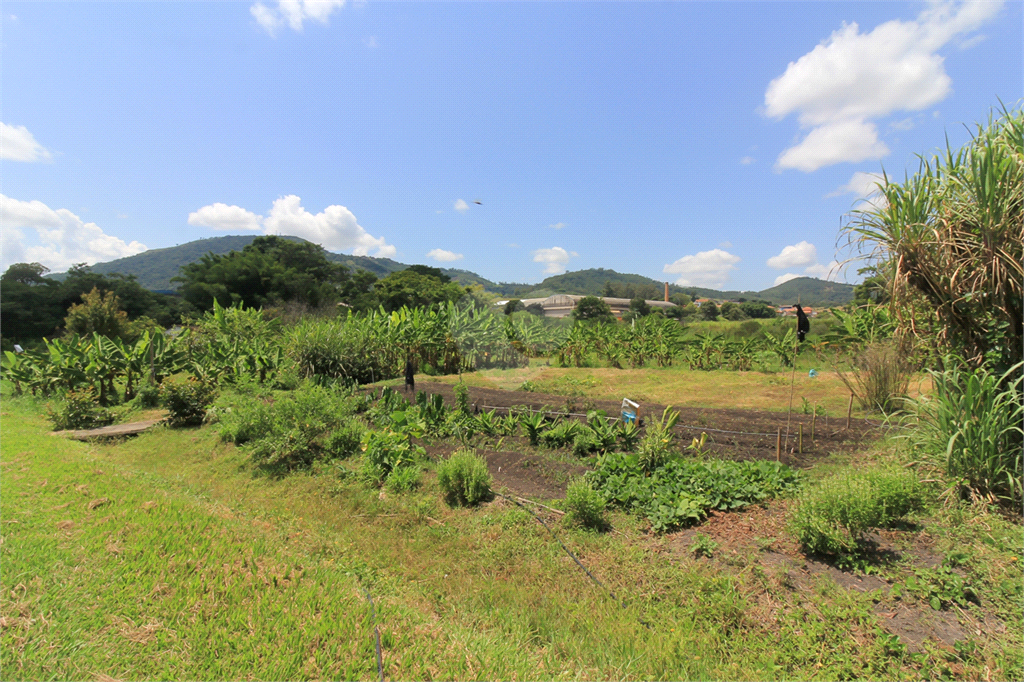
(849, 411)
(778, 444)
(800, 438)
(814, 417)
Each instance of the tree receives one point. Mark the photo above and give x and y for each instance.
(535, 309)
(709, 311)
(732, 312)
(269, 270)
(514, 306)
(681, 299)
(358, 291)
(27, 273)
(100, 313)
(758, 310)
(411, 289)
(593, 308)
(639, 307)
(428, 271)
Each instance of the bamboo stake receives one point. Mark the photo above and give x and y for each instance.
(792, 377)
(800, 438)
(849, 411)
(778, 444)
(814, 417)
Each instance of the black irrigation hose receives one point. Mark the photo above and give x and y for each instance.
(376, 631)
(571, 555)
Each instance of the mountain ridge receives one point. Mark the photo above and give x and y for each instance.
(155, 268)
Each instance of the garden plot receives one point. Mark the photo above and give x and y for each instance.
(732, 434)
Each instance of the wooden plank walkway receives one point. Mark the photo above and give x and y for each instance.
(114, 431)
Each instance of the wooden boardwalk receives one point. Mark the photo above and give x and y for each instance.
(114, 431)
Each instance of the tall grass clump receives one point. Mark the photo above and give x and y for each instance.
(464, 478)
(880, 376)
(832, 517)
(356, 349)
(971, 427)
(584, 506)
(385, 455)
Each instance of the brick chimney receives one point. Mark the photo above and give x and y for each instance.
(666, 292)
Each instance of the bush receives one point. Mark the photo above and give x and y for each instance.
(881, 375)
(655, 448)
(832, 517)
(972, 429)
(584, 506)
(585, 444)
(464, 479)
(356, 349)
(404, 479)
(562, 434)
(384, 453)
(148, 395)
(344, 441)
(78, 410)
(187, 400)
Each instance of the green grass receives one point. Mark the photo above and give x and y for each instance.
(197, 567)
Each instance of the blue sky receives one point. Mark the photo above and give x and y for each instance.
(712, 144)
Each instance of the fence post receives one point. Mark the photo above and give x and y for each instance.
(849, 411)
(778, 444)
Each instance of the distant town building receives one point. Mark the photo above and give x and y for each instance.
(562, 305)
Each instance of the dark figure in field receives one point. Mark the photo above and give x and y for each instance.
(803, 325)
(410, 376)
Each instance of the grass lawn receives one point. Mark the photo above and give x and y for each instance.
(170, 556)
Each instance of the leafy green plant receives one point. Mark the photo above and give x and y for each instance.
(186, 401)
(384, 452)
(682, 490)
(604, 431)
(703, 545)
(148, 395)
(629, 435)
(344, 441)
(584, 506)
(78, 410)
(462, 399)
(585, 443)
(532, 423)
(464, 478)
(971, 428)
(832, 517)
(657, 445)
(561, 434)
(940, 587)
(405, 479)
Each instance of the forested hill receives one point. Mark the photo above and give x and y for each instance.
(155, 268)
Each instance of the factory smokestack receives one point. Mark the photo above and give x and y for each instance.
(666, 292)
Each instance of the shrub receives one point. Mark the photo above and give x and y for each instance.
(404, 479)
(384, 452)
(464, 478)
(585, 444)
(832, 517)
(462, 399)
(972, 429)
(584, 506)
(344, 441)
(148, 395)
(562, 434)
(355, 349)
(187, 400)
(78, 410)
(881, 375)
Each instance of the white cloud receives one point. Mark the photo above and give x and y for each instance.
(785, 278)
(829, 272)
(554, 259)
(63, 238)
(725, 245)
(294, 13)
(850, 140)
(461, 206)
(793, 256)
(443, 256)
(557, 226)
(862, 185)
(370, 42)
(705, 269)
(18, 144)
(336, 228)
(223, 217)
(747, 160)
(905, 124)
(852, 77)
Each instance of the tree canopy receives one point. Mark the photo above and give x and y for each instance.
(593, 308)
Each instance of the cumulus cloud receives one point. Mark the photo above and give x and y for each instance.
(725, 245)
(18, 144)
(829, 272)
(557, 226)
(63, 238)
(335, 228)
(849, 79)
(223, 217)
(796, 255)
(554, 259)
(444, 256)
(785, 278)
(704, 269)
(293, 13)
(461, 206)
(864, 186)
(747, 160)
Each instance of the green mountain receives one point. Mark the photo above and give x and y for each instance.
(155, 268)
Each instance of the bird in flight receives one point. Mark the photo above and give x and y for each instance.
(478, 202)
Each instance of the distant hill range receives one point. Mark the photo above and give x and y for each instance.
(154, 269)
